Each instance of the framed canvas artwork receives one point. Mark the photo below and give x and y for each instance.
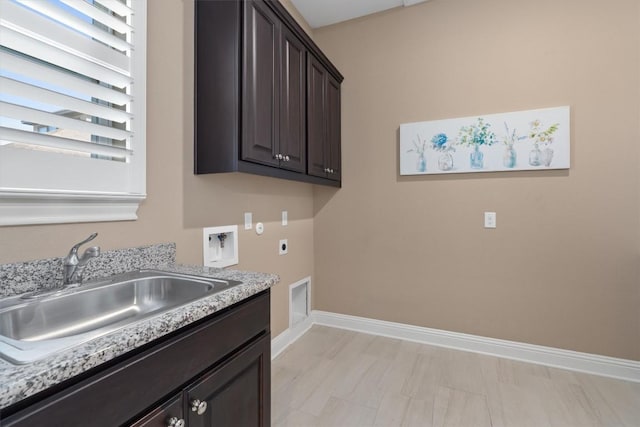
(522, 140)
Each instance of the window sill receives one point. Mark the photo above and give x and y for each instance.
(20, 207)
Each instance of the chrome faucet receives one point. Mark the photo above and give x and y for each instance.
(73, 265)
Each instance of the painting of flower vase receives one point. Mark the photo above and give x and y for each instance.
(522, 140)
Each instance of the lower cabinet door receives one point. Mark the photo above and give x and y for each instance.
(167, 415)
(237, 394)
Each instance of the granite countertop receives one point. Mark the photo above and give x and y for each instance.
(20, 381)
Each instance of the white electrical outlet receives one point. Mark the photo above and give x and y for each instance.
(283, 247)
(490, 220)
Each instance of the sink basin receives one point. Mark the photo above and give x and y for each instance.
(42, 324)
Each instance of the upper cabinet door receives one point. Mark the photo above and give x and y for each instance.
(261, 100)
(323, 121)
(292, 102)
(316, 118)
(333, 129)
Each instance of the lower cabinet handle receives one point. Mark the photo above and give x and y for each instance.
(175, 422)
(199, 406)
(286, 158)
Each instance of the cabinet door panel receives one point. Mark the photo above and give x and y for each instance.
(316, 117)
(333, 129)
(160, 416)
(293, 99)
(237, 393)
(261, 84)
(217, 69)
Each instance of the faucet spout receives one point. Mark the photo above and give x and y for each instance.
(73, 265)
(92, 252)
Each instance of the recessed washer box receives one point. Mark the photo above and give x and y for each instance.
(220, 246)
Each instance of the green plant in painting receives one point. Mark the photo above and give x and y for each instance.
(477, 134)
(540, 135)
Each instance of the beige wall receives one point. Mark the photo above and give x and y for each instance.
(562, 268)
(179, 204)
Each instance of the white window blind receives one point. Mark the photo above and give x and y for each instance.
(72, 110)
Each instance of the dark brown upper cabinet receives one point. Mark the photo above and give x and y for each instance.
(293, 108)
(323, 93)
(253, 94)
(261, 101)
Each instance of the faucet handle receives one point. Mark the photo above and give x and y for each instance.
(88, 239)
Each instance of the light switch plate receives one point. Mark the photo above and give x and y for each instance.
(490, 220)
(248, 220)
(285, 218)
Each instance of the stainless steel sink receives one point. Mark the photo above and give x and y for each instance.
(34, 326)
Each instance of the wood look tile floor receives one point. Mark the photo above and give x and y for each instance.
(337, 378)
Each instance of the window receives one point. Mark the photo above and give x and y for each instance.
(72, 110)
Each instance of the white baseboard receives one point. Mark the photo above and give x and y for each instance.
(289, 336)
(624, 369)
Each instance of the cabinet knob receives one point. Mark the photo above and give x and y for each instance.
(286, 158)
(175, 422)
(326, 170)
(199, 406)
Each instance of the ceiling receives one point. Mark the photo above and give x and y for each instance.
(319, 13)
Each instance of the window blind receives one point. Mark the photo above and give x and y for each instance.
(71, 114)
(65, 76)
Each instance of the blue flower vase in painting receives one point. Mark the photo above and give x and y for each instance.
(509, 158)
(547, 156)
(422, 163)
(475, 135)
(535, 156)
(442, 144)
(477, 158)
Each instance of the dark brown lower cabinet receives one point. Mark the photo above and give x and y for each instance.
(236, 394)
(216, 372)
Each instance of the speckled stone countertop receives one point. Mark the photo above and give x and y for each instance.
(20, 381)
